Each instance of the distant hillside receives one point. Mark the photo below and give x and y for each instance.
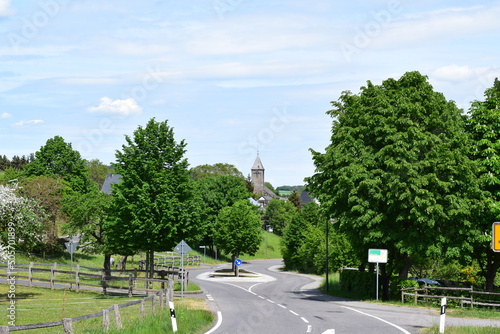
(287, 190)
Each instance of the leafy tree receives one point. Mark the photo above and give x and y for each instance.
(202, 171)
(238, 230)
(97, 171)
(484, 127)
(396, 174)
(294, 198)
(88, 214)
(153, 206)
(57, 158)
(10, 174)
(214, 194)
(20, 220)
(47, 192)
(279, 214)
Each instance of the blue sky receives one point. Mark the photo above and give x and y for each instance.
(231, 76)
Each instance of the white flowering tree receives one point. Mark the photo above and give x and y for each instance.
(20, 220)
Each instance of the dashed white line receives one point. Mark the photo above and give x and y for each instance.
(282, 306)
(304, 320)
(294, 313)
(209, 297)
(269, 300)
(261, 297)
(309, 329)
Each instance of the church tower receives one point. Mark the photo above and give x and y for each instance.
(258, 176)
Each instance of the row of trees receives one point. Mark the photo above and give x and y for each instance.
(158, 201)
(408, 171)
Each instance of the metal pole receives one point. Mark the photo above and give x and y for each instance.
(266, 238)
(376, 287)
(182, 270)
(326, 264)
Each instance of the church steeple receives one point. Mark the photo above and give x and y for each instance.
(258, 176)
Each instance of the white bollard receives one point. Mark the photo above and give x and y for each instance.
(443, 315)
(172, 316)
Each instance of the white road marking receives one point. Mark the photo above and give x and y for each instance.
(329, 331)
(261, 297)
(282, 306)
(294, 313)
(310, 329)
(217, 325)
(304, 320)
(387, 322)
(269, 300)
(209, 297)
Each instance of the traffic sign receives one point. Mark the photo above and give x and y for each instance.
(237, 262)
(182, 248)
(377, 255)
(495, 244)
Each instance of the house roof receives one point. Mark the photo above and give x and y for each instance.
(110, 179)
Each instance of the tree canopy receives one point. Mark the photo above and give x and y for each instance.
(484, 127)
(396, 174)
(152, 206)
(57, 158)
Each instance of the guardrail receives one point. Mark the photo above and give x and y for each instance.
(162, 297)
(468, 296)
(94, 278)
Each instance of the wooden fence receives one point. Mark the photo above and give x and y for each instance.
(125, 281)
(161, 297)
(466, 296)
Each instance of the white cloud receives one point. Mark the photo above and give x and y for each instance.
(31, 123)
(117, 107)
(4, 8)
(5, 115)
(458, 73)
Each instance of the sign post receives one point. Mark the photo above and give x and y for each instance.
(495, 244)
(71, 246)
(377, 256)
(182, 248)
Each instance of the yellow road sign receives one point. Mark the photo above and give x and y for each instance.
(495, 245)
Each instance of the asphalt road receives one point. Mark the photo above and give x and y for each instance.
(277, 302)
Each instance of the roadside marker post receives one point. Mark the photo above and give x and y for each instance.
(172, 316)
(442, 317)
(495, 242)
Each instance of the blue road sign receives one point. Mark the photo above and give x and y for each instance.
(237, 262)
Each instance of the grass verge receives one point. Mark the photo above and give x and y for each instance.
(35, 305)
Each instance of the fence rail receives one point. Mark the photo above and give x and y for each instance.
(99, 278)
(162, 297)
(468, 295)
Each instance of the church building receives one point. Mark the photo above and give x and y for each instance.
(259, 188)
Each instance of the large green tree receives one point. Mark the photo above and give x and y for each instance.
(239, 229)
(152, 208)
(215, 193)
(396, 174)
(278, 215)
(484, 127)
(202, 171)
(57, 158)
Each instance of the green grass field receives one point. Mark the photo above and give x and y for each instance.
(35, 305)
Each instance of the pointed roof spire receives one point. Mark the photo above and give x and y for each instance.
(258, 164)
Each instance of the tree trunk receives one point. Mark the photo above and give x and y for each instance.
(403, 273)
(152, 265)
(491, 269)
(385, 278)
(122, 264)
(147, 265)
(107, 265)
(233, 266)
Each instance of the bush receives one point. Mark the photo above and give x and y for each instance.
(360, 283)
(397, 284)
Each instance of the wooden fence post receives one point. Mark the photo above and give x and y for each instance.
(68, 325)
(118, 318)
(30, 273)
(162, 303)
(142, 309)
(105, 320)
(153, 303)
(77, 278)
(171, 290)
(103, 283)
(130, 285)
(4, 330)
(415, 296)
(52, 276)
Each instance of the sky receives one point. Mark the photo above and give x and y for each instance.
(231, 77)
